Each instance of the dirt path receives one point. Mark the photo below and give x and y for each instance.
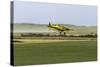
(43, 41)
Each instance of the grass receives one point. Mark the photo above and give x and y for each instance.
(31, 53)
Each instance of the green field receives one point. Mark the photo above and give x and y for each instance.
(37, 44)
(32, 52)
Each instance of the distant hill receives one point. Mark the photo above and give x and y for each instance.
(29, 28)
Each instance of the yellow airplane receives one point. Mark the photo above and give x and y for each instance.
(59, 28)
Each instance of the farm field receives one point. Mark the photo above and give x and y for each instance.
(32, 52)
(36, 44)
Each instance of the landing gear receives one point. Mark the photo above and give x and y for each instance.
(60, 33)
(64, 33)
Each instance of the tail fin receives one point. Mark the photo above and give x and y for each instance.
(50, 24)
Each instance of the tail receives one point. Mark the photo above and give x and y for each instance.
(50, 24)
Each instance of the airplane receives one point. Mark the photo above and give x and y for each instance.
(59, 28)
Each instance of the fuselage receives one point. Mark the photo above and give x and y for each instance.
(58, 27)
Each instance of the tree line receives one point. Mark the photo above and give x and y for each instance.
(49, 35)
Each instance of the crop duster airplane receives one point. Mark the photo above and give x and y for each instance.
(59, 28)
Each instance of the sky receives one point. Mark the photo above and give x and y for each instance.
(43, 13)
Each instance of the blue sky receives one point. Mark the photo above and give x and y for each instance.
(42, 13)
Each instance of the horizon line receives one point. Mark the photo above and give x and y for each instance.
(52, 23)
